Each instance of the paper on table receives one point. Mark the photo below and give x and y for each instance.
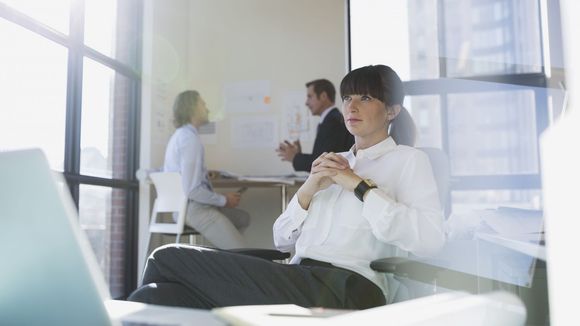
(282, 314)
(267, 179)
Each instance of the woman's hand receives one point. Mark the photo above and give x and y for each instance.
(344, 176)
(327, 169)
(319, 179)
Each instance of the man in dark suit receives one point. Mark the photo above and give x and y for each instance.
(331, 135)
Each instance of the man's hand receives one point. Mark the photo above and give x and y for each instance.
(287, 151)
(232, 199)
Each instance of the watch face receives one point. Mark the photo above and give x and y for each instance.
(370, 183)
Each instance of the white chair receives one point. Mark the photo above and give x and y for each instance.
(170, 199)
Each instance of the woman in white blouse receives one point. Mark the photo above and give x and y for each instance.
(377, 200)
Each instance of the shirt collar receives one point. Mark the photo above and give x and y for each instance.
(190, 127)
(326, 112)
(374, 151)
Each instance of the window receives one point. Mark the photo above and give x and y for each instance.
(504, 37)
(385, 32)
(104, 120)
(71, 85)
(493, 133)
(32, 108)
(54, 14)
(475, 83)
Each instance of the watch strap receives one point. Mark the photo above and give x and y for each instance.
(362, 188)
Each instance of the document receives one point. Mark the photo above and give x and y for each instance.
(254, 132)
(283, 314)
(247, 96)
(284, 180)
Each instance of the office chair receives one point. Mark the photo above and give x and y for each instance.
(170, 199)
(404, 267)
(421, 278)
(442, 173)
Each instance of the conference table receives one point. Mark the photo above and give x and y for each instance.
(282, 183)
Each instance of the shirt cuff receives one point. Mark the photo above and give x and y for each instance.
(222, 199)
(376, 203)
(296, 213)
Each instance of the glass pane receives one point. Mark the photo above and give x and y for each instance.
(485, 37)
(384, 32)
(33, 102)
(426, 113)
(102, 213)
(468, 201)
(493, 133)
(104, 121)
(53, 13)
(110, 28)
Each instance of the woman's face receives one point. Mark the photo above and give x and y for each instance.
(366, 118)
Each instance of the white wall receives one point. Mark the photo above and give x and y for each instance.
(204, 44)
(285, 42)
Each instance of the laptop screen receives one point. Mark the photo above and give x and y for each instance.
(49, 274)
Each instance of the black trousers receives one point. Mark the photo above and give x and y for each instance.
(198, 277)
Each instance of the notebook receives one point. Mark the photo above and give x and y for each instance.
(48, 272)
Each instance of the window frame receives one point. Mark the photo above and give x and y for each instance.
(442, 86)
(77, 51)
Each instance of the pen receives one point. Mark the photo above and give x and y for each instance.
(294, 315)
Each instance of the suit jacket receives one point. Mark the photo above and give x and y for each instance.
(332, 136)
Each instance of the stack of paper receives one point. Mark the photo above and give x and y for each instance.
(279, 315)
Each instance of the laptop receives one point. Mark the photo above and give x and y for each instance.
(48, 273)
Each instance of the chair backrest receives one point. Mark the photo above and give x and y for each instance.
(170, 198)
(442, 173)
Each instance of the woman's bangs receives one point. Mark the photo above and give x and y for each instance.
(362, 82)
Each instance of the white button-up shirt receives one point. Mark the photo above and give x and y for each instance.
(403, 215)
(185, 154)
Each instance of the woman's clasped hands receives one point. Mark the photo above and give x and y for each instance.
(327, 169)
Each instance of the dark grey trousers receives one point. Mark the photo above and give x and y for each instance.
(198, 277)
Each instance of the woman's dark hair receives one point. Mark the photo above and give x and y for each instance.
(184, 107)
(382, 83)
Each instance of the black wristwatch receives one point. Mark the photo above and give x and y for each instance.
(362, 188)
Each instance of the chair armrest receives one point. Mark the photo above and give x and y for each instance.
(405, 267)
(425, 272)
(269, 254)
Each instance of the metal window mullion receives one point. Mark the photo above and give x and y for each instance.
(74, 97)
(441, 36)
(348, 36)
(32, 25)
(116, 65)
(131, 267)
(503, 181)
(542, 118)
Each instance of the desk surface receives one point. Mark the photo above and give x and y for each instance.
(257, 182)
(128, 313)
(260, 182)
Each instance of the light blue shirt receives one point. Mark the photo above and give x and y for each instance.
(185, 154)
